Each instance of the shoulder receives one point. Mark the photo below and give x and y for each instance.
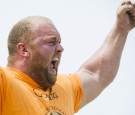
(5, 74)
(68, 78)
(2, 71)
(3, 78)
(69, 81)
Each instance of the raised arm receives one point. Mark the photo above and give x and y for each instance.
(100, 70)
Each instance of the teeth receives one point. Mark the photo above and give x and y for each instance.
(56, 59)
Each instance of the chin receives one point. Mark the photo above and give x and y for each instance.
(50, 83)
(47, 86)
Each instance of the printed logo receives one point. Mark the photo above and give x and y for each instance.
(53, 110)
(50, 96)
(55, 113)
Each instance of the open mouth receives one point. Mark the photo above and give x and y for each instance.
(53, 66)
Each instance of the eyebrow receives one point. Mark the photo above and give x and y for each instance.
(50, 38)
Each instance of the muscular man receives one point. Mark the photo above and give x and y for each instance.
(30, 85)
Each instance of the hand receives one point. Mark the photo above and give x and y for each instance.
(126, 16)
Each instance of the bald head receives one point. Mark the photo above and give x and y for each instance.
(35, 49)
(24, 31)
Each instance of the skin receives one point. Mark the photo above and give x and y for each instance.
(100, 70)
(95, 74)
(45, 48)
(35, 59)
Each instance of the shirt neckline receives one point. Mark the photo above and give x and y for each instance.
(23, 77)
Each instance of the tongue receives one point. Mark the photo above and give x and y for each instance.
(52, 69)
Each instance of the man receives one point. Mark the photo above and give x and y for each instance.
(30, 85)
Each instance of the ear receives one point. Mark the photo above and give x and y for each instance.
(22, 49)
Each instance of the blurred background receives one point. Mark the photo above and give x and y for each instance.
(83, 25)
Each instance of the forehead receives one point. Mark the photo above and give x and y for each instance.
(46, 29)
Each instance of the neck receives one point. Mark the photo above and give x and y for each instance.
(37, 74)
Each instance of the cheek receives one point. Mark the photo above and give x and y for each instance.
(48, 51)
(42, 55)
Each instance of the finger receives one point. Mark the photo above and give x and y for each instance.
(133, 9)
(124, 9)
(132, 12)
(126, 2)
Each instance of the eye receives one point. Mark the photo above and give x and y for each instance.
(52, 43)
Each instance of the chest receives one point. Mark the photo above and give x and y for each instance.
(26, 100)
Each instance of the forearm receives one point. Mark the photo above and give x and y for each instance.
(98, 71)
(105, 62)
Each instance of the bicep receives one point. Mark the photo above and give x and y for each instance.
(91, 86)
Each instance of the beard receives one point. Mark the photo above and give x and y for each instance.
(39, 70)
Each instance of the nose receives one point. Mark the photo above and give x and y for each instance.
(59, 48)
